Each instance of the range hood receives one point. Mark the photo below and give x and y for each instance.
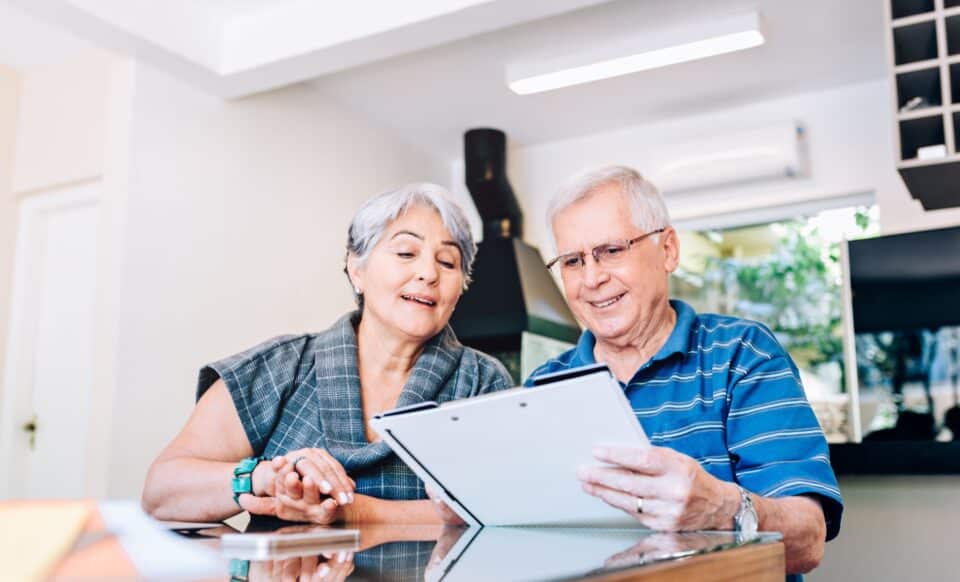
(512, 291)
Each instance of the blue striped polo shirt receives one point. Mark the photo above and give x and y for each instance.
(723, 391)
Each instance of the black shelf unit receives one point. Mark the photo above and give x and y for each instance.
(924, 57)
(955, 84)
(904, 8)
(918, 133)
(924, 84)
(952, 26)
(915, 43)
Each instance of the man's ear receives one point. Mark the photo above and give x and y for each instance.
(355, 273)
(671, 249)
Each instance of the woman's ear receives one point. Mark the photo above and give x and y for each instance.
(355, 273)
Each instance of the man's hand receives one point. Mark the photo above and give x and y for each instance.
(678, 495)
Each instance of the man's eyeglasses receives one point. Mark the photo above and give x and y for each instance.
(609, 254)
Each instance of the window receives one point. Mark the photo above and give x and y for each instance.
(786, 274)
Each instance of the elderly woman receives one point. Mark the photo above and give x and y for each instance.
(283, 429)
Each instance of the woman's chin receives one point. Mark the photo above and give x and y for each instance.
(421, 330)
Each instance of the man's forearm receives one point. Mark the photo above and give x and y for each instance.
(800, 520)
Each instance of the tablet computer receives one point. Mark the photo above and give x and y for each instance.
(510, 457)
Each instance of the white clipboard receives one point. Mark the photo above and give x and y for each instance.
(510, 458)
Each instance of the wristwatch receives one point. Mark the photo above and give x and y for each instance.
(243, 477)
(745, 522)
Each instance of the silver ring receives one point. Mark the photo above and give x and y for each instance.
(300, 458)
(639, 504)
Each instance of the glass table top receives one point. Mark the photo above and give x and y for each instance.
(435, 554)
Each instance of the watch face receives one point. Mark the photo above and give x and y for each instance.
(748, 524)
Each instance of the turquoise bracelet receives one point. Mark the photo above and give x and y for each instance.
(243, 477)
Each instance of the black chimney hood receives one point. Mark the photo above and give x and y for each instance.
(512, 291)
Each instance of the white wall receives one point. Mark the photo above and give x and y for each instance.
(70, 130)
(849, 132)
(63, 120)
(235, 232)
(9, 97)
(895, 528)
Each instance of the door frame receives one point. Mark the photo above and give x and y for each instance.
(16, 402)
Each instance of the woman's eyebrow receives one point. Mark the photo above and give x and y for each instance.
(409, 232)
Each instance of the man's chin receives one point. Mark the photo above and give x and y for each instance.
(609, 331)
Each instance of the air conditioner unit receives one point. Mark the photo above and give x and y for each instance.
(721, 161)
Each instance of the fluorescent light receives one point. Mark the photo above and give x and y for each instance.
(747, 35)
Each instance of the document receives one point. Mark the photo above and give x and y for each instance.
(510, 458)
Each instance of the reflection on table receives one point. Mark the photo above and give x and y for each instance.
(399, 553)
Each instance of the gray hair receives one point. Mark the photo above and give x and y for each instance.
(648, 210)
(376, 214)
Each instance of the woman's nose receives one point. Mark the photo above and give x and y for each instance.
(427, 270)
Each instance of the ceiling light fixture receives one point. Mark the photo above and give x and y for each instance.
(650, 51)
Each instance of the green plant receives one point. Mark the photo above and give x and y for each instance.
(795, 290)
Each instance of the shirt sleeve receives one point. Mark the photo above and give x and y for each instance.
(774, 439)
(259, 381)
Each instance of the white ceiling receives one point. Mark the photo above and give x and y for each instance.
(432, 68)
(234, 49)
(434, 95)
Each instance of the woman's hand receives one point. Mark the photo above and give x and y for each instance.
(447, 515)
(326, 567)
(325, 471)
(306, 485)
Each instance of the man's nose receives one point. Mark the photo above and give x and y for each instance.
(593, 273)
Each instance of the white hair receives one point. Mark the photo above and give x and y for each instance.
(647, 208)
(376, 214)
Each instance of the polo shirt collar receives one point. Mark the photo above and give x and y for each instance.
(677, 343)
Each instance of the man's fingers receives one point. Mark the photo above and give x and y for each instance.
(648, 460)
(623, 501)
(637, 485)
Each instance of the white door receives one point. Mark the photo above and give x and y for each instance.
(50, 365)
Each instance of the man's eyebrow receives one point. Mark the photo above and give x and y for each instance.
(409, 232)
(451, 243)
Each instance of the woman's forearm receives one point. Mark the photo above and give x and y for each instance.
(189, 489)
(366, 509)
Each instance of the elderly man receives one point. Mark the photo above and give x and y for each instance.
(736, 445)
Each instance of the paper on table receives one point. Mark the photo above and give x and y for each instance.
(35, 535)
(155, 552)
